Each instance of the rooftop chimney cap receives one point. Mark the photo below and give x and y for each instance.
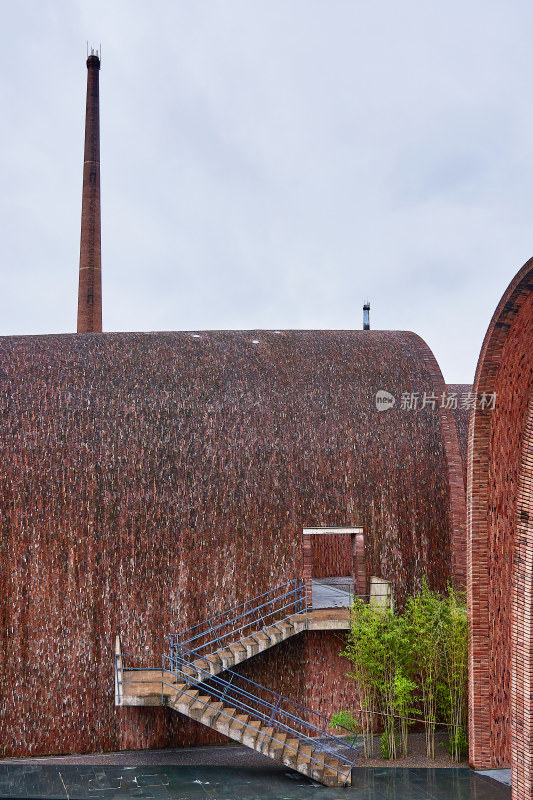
(366, 316)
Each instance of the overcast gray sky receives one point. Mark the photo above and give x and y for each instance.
(271, 164)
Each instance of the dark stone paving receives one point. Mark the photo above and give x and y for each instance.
(59, 781)
(223, 755)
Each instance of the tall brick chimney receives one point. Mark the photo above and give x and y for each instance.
(90, 285)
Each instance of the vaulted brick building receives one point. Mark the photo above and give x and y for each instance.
(500, 542)
(150, 479)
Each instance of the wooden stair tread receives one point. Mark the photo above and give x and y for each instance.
(292, 744)
(209, 711)
(202, 700)
(212, 659)
(239, 721)
(286, 630)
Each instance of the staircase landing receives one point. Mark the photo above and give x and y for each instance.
(143, 687)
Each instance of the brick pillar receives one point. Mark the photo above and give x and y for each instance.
(522, 628)
(90, 283)
(359, 564)
(308, 568)
(478, 591)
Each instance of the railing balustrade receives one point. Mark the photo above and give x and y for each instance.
(264, 705)
(241, 620)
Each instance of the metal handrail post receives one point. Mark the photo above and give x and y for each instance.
(119, 687)
(228, 684)
(275, 710)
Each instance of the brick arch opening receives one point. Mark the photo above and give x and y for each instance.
(497, 442)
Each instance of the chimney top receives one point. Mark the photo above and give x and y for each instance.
(366, 316)
(94, 57)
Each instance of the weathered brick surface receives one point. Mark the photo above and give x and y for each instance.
(462, 418)
(308, 668)
(455, 472)
(152, 479)
(522, 626)
(90, 279)
(499, 557)
(331, 554)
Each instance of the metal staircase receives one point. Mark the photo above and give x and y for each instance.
(242, 631)
(243, 710)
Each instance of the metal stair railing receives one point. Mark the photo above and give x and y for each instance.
(241, 620)
(127, 664)
(271, 708)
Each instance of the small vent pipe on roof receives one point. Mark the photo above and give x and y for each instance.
(366, 316)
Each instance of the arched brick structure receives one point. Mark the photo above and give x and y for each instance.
(522, 626)
(499, 556)
(448, 422)
(152, 479)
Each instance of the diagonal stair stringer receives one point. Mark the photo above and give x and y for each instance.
(239, 650)
(277, 742)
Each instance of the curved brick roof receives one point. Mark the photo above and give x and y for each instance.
(144, 472)
(499, 492)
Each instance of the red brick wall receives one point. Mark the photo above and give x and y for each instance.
(522, 626)
(332, 555)
(309, 669)
(152, 479)
(494, 473)
(462, 418)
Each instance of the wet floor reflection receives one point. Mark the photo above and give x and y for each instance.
(69, 782)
